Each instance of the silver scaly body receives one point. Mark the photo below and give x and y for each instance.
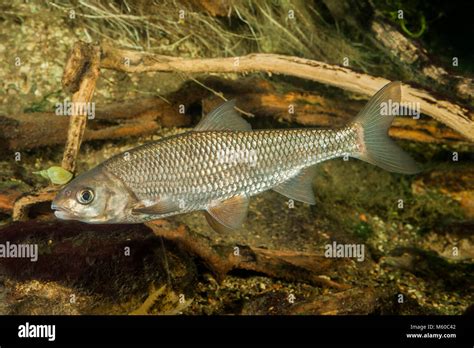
(219, 165)
(197, 168)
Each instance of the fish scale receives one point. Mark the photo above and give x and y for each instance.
(191, 167)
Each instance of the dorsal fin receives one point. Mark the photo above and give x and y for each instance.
(299, 187)
(224, 117)
(229, 214)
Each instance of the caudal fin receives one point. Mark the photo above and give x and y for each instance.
(373, 122)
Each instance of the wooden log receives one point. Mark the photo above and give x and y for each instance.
(257, 96)
(313, 110)
(114, 121)
(24, 203)
(456, 116)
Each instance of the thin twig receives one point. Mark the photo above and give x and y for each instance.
(220, 95)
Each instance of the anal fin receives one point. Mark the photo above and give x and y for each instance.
(228, 215)
(299, 187)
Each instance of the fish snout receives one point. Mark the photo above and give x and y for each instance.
(59, 211)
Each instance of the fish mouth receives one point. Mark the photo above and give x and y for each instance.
(62, 213)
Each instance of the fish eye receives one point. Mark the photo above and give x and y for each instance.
(85, 196)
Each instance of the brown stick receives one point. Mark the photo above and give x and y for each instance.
(80, 75)
(453, 115)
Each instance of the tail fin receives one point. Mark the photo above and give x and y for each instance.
(374, 121)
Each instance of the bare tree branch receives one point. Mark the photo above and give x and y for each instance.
(453, 115)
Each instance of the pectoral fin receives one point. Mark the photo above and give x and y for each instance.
(228, 215)
(163, 206)
(299, 187)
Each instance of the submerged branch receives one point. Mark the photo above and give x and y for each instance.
(223, 258)
(145, 116)
(453, 115)
(80, 76)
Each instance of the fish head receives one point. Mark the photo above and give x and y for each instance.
(96, 196)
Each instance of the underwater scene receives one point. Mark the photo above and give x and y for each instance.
(236, 157)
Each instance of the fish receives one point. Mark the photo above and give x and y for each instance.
(218, 165)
